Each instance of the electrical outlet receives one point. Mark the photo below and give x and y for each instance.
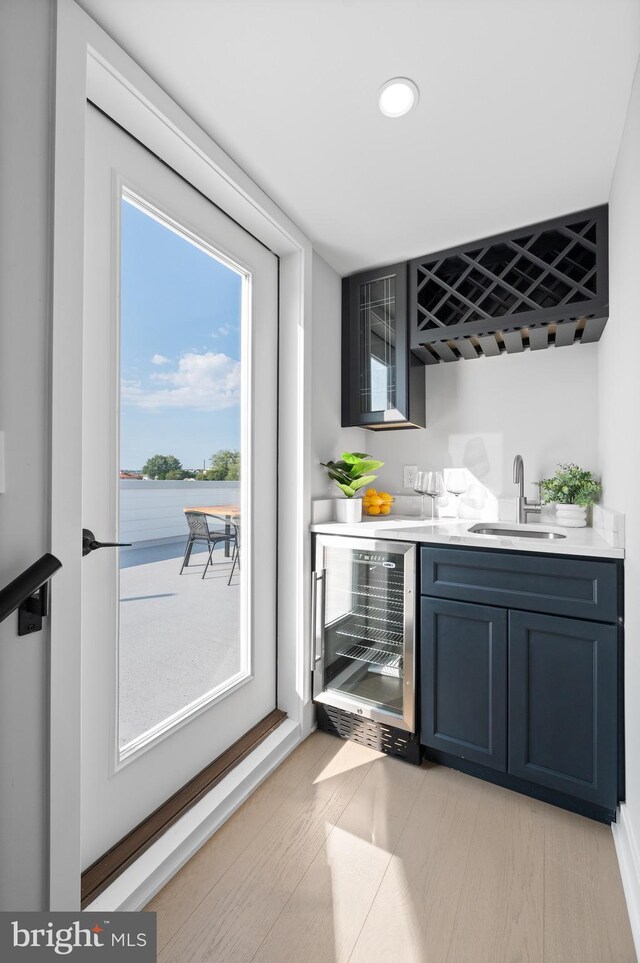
(410, 472)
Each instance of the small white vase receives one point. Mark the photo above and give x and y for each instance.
(571, 516)
(349, 510)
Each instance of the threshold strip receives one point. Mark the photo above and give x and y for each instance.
(102, 873)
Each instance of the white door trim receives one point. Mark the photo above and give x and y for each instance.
(89, 65)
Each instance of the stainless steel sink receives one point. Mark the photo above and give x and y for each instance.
(514, 531)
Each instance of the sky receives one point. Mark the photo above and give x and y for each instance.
(180, 317)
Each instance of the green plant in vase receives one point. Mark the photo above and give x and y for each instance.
(351, 473)
(573, 489)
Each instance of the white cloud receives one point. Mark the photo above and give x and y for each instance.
(159, 359)
(206, 382)
(224, 330)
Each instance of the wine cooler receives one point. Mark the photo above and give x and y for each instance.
(363, 628)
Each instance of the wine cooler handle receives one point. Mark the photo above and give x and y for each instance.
(318, 614)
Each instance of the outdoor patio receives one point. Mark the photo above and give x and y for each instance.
(179, 634)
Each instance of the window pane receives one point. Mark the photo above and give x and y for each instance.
(181, 390)
(377, 338)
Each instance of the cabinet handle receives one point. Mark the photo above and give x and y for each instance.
(317, 614)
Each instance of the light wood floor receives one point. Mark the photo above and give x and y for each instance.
(346, 854)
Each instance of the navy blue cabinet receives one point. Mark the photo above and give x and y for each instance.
(525, 692)
(463, 680)
(383, 384)
(563, 684)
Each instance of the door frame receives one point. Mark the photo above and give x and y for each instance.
(91, 66)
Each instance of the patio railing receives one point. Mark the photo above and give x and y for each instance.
(153, 510)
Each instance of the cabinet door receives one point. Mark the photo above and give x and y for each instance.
(463, 680)
(563, 705)
(381, 385)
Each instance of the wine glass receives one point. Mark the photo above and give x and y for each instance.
(434, 488)
(420, 486)
(457, 484)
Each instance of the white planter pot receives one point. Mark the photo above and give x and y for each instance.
(349, 510)
(571, 516)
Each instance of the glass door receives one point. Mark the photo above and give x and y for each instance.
(364, 628)
(377, 343)
(179, 444)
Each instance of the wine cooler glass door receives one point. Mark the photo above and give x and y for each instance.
(363, 626)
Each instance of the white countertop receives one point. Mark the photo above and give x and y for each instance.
(446, 531)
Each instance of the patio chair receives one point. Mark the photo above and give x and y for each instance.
(233, 538)
(236, 551)
(199, 531)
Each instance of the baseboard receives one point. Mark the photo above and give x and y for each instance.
(629, 862)
(139, 883)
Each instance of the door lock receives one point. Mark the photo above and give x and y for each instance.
(89, 543)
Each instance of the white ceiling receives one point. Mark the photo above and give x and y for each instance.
(520, 116)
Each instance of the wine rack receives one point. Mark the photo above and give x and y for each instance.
(542, 285)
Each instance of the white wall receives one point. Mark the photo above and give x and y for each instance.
(328, 439)
(542, 405)
(620, 418)
(25, 156)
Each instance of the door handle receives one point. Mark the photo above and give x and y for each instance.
(89, 543)
(318, 608)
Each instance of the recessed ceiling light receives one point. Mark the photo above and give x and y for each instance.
(397, 97)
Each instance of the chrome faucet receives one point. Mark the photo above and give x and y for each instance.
(523, 506)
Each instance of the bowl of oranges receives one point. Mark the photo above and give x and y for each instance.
(377, 503)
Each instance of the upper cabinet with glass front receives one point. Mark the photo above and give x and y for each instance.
(383, 384)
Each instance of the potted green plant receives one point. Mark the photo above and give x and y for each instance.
(573, 490)
(350, 474)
